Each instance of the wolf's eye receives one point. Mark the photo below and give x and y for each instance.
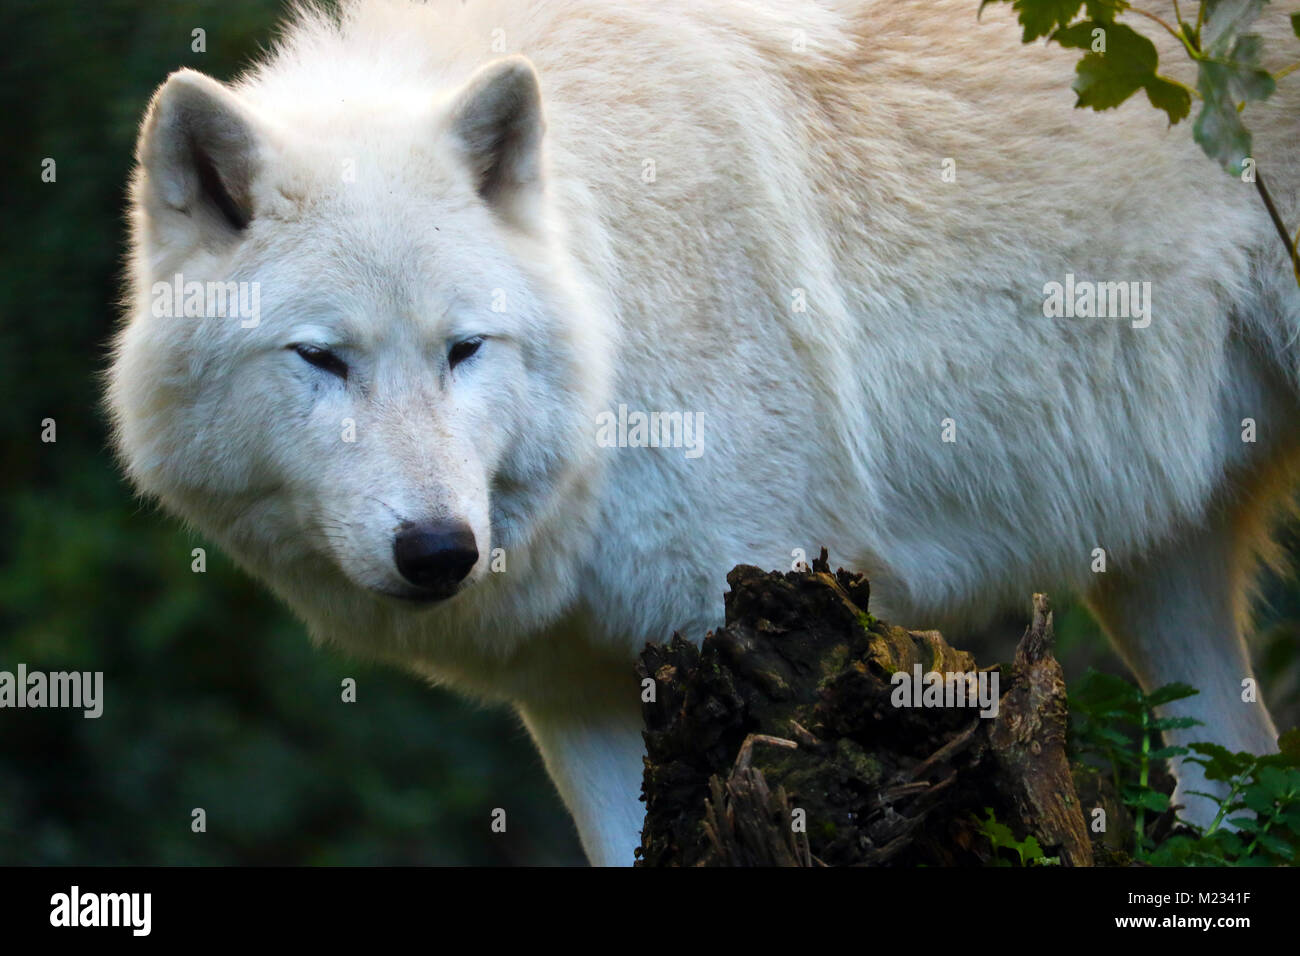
(463, 350)
(323, 359)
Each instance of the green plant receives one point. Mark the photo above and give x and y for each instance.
(1027, 851)
(1116, 721)
(1257, 822)
(1261, 811)
(1119, 61)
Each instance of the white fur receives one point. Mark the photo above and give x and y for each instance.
(776, 170)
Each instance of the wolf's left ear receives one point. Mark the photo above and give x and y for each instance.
(497, 125)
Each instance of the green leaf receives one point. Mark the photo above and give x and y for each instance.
(1174, 851)
(1258, 801)
(1218, 128)
(1229, 74)
(1103, 11)
(1174, 723)
(1220, 763)
(1227, 843)
(1029, 850)
(1171, 96)
(1041, 17)
(1250, 81)
(1170, 693)
(1289, 742)
(1105, 80)
(1295, 23)
(1147, 799)
(1000, 836)
(1104, 696)
(1274, 782)
(1224, 22)
(1277, 845)
(1112, 736)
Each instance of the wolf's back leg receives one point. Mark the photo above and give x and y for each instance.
(1176, 615)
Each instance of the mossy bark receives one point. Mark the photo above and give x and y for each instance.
(778, 742)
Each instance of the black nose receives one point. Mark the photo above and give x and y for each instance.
(435, 556)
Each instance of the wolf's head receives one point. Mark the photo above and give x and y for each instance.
(356, 351)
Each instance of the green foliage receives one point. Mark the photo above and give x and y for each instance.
(1027, 851)
(1229, 74)
(1262, 810)
(1117, 721)
(1114, 721)
(1120, 61)
(1041, 18)
(1107, 79)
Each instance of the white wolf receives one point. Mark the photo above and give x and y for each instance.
(478, 229)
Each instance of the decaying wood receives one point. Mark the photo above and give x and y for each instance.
(777, 742)
(1029, 742)
(748, 825)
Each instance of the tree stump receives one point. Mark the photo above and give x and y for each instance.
(783, 740)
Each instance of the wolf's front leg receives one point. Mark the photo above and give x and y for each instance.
(593, 753)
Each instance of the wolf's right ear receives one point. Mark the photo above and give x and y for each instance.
(200, 152)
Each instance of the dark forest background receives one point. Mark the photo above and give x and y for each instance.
(214, 697)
